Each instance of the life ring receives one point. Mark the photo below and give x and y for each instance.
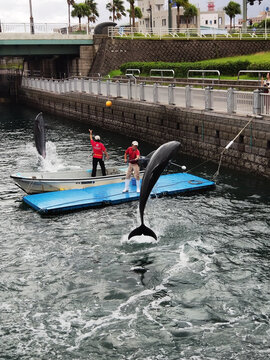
(195, 182)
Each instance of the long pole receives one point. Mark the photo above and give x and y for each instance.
(244, 25)
(169, 15)
(32, 29)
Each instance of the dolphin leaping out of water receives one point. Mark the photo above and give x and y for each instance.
(39, 132)
(155, 167)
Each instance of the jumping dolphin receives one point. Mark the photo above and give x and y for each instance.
(39, 132)
(156, 165)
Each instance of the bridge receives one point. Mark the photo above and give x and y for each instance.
(53, 49)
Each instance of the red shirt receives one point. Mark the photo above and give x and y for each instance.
(132, 154)
(98, 149)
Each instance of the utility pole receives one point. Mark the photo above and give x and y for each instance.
(169, 15)
(32, 29)
(244, 24)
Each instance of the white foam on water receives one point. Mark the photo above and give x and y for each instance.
(116, 316)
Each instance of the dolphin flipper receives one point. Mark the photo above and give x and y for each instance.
(142, 230)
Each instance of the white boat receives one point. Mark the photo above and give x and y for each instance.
(39, 182)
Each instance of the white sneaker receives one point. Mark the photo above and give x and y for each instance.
(138, 190)
(125, 190)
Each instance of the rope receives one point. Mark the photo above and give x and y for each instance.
(227, 147)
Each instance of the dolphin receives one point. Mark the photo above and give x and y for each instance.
(158, 162)
(39, 132)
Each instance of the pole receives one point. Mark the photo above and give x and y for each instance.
(244, 25)
(151, 25)
(32, 29)
(169, 15)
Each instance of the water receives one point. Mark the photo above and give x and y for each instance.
(73, 287)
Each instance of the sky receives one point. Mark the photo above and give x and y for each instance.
(55, 11)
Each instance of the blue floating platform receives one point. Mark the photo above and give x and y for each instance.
(111, 194)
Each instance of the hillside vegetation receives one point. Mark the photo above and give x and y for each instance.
(227, 66)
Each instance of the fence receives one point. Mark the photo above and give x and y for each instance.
(186, 33)
(43, 28)
(227, 101)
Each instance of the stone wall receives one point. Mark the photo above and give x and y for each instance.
(114, 52)
(203, 134)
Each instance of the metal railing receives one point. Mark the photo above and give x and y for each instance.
(186, 33)
(203, 72)
(133, 72)
(162, 72)
(259, 72)
(225, 101)
(44, 28)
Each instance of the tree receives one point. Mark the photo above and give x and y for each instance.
(180, 3)
(116, 7)
(69, 2)
(137, 12)
(92, 12)
(132, 11)
(79, 10)
(189, 12)
(231, 10)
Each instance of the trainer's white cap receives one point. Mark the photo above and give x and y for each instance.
(97, 137)
(135, 143)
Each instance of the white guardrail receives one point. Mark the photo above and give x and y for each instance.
(186, 33)
(43, 28)
(226, 101)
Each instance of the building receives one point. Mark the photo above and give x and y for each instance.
(212, 18)
(155, 16)
(261, 17)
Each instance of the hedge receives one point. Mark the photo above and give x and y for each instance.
(228, 66)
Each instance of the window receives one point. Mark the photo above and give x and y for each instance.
(154, 23)
(215, 21)
(206, 22)
(210, 22)
(163, 22)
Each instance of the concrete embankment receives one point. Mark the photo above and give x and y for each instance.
(202, 133)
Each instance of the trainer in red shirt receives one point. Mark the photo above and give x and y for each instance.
(98, 150)
(133, 155)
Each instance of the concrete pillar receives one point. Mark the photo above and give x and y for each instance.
(188, 96)
(108, 82)
(142, 93)
(257, 102)
(155, 93)
(171, 94)
(208, 98)
(231, 101)
(118, 89)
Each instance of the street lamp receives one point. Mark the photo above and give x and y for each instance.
(32, 29)
(150, 14)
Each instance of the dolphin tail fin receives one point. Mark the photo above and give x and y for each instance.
(142, 230)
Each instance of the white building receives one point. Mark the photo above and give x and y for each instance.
(212, 18)
(155, 16)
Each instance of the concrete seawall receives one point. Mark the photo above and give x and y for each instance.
(202, 134)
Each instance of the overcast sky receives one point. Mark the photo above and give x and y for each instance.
(55, 11)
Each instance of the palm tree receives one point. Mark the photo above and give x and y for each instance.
(69, 2)
(92, 12)
(132, 11)
(116, 7)
(137, 12)
(231, 10)
(79, 10)
(180, 3)
(190, 12)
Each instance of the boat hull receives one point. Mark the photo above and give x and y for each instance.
(38, 183)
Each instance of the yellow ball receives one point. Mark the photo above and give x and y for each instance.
(108, 103)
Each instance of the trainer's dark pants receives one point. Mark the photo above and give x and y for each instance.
(94, 167)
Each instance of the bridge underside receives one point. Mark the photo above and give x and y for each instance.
(53, 56)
